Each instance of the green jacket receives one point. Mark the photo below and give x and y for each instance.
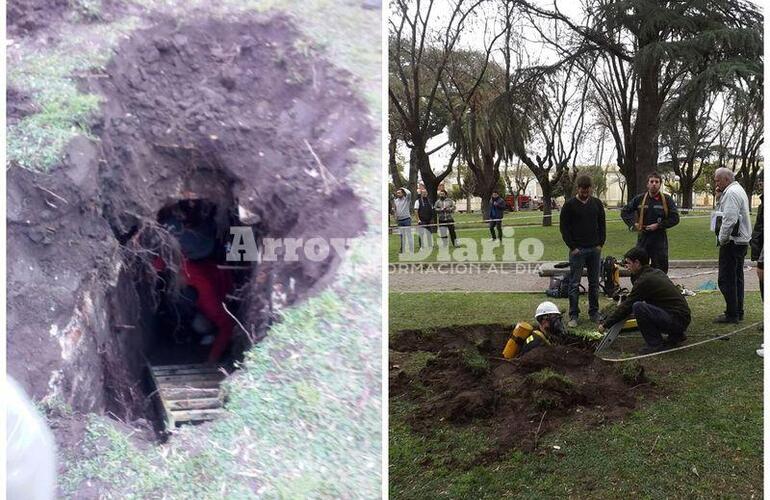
(654, 287)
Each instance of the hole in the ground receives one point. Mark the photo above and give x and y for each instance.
(197, 289)
(185, 298)
(456, 375)
(247, 115)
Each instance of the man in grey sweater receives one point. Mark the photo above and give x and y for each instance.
(733, 230)
(402, 203)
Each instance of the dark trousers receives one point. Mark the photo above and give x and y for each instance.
(450, 227)
(730, 278)
(657, 248)
(499, 225)
(425, 232)
(590, 258)
(653, 321)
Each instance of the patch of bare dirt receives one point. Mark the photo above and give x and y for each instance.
(517, 401)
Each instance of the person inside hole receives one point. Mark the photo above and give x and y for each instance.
(549, 327)
(203, 285)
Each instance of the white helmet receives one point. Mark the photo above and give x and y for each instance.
(546, 307)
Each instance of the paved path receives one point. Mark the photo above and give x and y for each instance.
(469, 278)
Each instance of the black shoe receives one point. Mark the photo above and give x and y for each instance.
(725, 319)
(650, 349)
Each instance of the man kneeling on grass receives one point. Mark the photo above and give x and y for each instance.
(657, 304)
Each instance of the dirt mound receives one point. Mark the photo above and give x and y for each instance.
(244, 113)
(466, 380)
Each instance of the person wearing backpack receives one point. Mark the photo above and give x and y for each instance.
(651, 214)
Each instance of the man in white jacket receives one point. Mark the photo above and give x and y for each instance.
(733, 230)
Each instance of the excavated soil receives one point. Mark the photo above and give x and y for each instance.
(246, 114)
(466, 381)
(25, 17)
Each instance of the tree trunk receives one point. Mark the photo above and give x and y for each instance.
(484, 190)
(645, 158)
(686, 187)
(485, 207)
(414, 167)
(547, 190)
(394, 174)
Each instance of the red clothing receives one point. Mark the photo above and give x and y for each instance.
(212, 285)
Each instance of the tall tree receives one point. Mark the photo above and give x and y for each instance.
(747, 112)
(470, 132)
(420, 45)
(688, 136)
(543, 112)
(662, 42)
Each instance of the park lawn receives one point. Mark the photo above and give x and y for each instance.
(702, 438)
(690, 239)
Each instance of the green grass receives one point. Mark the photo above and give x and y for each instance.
(49, 76)
(703, 436)
(690, 239)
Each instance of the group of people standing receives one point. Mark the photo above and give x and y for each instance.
(427, 215)
(656, 303)
(438, 217)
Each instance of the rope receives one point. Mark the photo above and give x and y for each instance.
(618, 360)
(486, 221)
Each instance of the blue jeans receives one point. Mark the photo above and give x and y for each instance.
(589, 257)
(405, 233)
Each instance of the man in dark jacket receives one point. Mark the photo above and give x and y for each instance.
(426, 216)
(584, 230)
(651, 214)
(496, 211)
(657, 304)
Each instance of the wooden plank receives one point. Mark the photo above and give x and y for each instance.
(162, 371)
(167, 416)
(184, 379)
(194, 404)
(198, 384)
(175, 393)
(177, 367)
(196, 415)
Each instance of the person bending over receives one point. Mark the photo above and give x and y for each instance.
(656, 303)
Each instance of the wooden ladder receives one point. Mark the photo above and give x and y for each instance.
(188, 393)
